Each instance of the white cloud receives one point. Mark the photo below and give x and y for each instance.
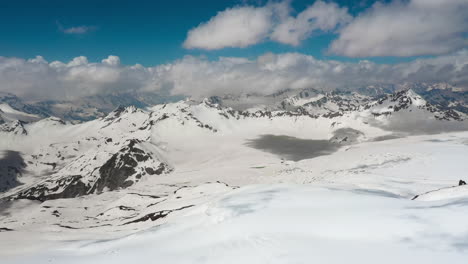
(320, 16)
(78, 61)
(270, 73)
(398, 28)
(37, 79)
(235, 27)
(112, 61)
(78, 30)
(406, 28)
(244, 26)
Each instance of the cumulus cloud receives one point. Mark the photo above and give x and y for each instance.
(320, 16)
(111, 61)
(406, 28)
(236, 27)
(244, 26)
(38, 79)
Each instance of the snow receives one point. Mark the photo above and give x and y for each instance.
(288, 224)
(444, 193)
(355, 205)
(226, 202)
(10, 114)
(303, 101)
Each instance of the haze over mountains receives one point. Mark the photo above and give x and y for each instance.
(441, 94)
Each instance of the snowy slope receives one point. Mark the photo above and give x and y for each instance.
(284, 224)
(444, 193)
(75, 160)
(8, 114)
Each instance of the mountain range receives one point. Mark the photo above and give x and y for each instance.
(64, 159)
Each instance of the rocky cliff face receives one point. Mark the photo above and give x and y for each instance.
(11, 168)
(123, 169)
(15, 127)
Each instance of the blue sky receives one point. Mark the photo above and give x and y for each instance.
(138, 31)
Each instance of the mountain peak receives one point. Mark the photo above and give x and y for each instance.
(403, 99)
(121, 110)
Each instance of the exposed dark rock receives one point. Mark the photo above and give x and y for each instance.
(67, 187)
(86, 227)
(126, 208)
(15, 127)
(53, 164)
(11, 167)
(122, 170)
(405, 98)
(346, 136)
(56, 213)
(146, 195)
(156, 215)
(66, 226)
(445, 188)
(115, 172)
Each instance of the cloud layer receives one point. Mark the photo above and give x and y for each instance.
(274, 72)
(37, 79)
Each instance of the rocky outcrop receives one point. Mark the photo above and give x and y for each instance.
(126, 167)
(156, 215)
(65, 187)
(15, 127)
(11, 168)
(121, 170)
(408, 100)
(346, 136)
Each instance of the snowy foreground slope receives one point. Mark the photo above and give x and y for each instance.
(203, 183)
(288, 224)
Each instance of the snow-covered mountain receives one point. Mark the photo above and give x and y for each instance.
(409, 100)
(83, 109)
(136, 168)
(114, 152)
(8, 114)
(442, 94)
(104, 154)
